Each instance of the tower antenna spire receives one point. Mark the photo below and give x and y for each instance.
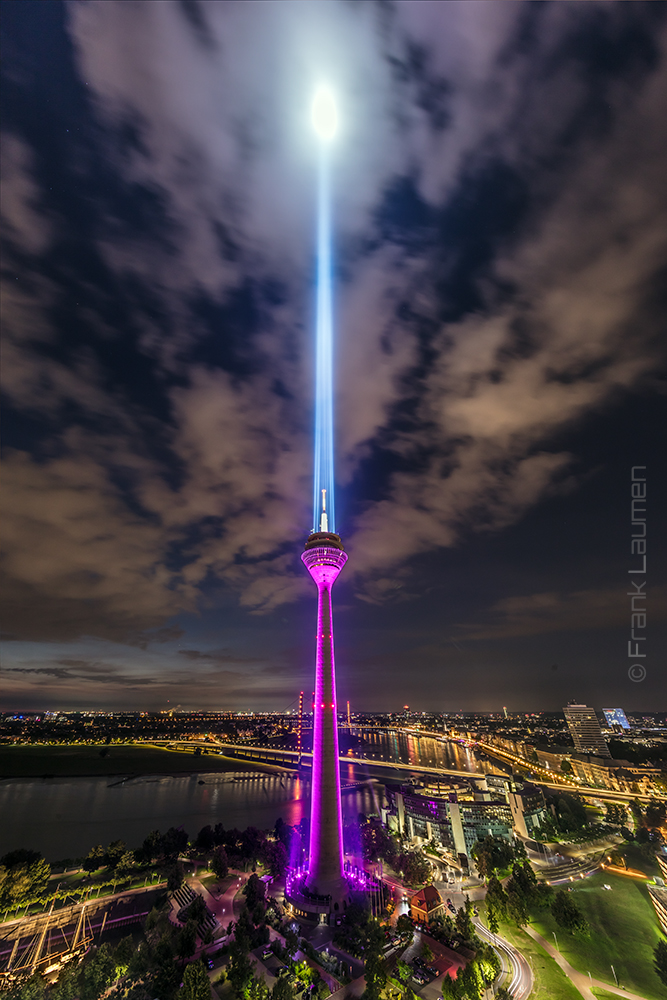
(324, 521)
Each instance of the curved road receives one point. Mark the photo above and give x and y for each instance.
(519, 972)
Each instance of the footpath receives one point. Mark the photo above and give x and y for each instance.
(581, 982)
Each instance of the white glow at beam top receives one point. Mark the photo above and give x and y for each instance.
(324, 114)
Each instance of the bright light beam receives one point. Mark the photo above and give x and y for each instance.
(325, 120)
(324, 114)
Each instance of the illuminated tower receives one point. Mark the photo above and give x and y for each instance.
(324, 558)
(323, 887)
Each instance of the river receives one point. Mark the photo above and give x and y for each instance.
(65, 817)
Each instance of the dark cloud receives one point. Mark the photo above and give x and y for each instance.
(500, 220)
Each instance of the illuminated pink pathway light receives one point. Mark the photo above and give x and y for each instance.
(324, 558)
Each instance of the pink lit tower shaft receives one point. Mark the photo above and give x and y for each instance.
(324, 558)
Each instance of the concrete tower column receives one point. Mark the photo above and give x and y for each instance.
(324, 558)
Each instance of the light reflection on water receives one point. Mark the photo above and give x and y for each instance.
(65, 817)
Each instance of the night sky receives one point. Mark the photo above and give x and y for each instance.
(500, 213)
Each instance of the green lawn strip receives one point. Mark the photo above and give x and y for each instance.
(77, 760)
(550, 982)
(604, 994)
(623, 932)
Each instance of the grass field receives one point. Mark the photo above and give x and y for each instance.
(76, 760)
(551, 983)
(623, 932)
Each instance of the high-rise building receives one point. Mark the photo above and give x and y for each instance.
(616, 717)
(585, 730)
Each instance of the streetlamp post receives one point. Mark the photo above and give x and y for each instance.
(556, 940)
(615, 976)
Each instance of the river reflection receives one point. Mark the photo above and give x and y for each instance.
(64, 818)
(424, 751)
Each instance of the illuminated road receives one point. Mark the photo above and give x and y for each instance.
(519, 973)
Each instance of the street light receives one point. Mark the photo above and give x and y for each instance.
(556, 940)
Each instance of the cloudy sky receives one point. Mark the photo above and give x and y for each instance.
(500, 213)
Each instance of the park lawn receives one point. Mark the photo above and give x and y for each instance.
(39, 760)
(623, 932)
(603, 994)
(550, 982)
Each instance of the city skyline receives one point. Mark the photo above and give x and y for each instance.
(500, 366)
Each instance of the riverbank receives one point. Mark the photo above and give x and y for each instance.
(40, 760)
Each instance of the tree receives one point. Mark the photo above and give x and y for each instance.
(174, 842)
(374, 966)
(282, 990)
(492, 854)
(174, 876)
(660, 960)
(240, 969)
(94, 859)
(252, 842)
(274, 856)
(517, 909)
(24, 876)
(403, 970)
(496, 898)
(376, 842)
(196, 985)
(523, 882)
(254, 890)
(567, 914)
(122, 955)
(463, 923)
(151, 847)
(427, 954)
(291, 942)
(31, 989)
(115, 851)
(125, 864)
(167, 974)
(97, 974)
(187, 939)
(205, 839)
(219, 862)
(415, 867)
(471, 981)
(405, 926)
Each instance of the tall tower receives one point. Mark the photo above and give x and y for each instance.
(322, 888)
(324, 558)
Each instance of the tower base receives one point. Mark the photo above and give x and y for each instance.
(309, 906)
(358, 887)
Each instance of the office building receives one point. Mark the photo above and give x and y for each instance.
(585, 730)
(616, 718)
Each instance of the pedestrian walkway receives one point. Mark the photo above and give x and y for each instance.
(579, 980)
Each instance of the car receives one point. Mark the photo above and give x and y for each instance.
(210, 963)
(267, 953)
(431, 971)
